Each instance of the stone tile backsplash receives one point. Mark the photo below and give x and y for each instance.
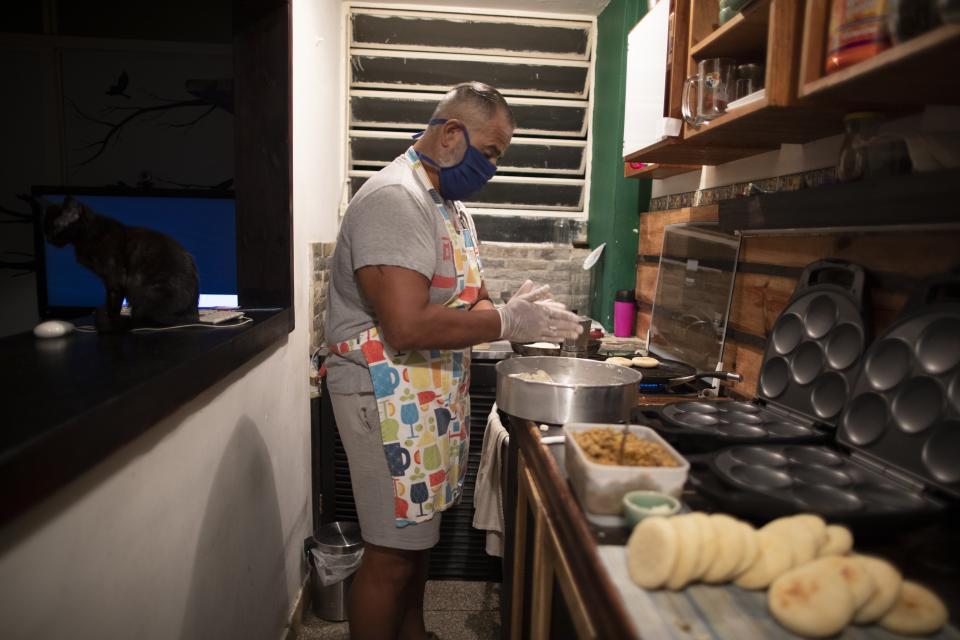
(507, 264)
(322, 253)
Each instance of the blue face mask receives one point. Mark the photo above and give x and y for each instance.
(467, 176)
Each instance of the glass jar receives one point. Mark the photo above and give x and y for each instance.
(867, 153)
(949, 10)
(749, 80)
(909, 18)
(857, 31)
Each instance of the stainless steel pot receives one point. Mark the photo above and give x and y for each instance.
(581, 391)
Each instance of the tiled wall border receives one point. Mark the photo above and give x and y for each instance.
(703, 197)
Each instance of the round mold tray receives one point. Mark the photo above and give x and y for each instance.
(759, 477)
(775, 377)
(695, 419)
(889, 363)
(820, 317)
(813, 455)
(866, 420)
(819, 474)
(739, 407)
(829, 394)
(787, 429)
(740, 430)
(758, 456)
(745, 418)
(938, 348)
(696, 407)
(889, 497)
(953, 393)
(807, 362)
(787, 333)
(942, 450)
(824, 499)
(844, 346)
(918, 403)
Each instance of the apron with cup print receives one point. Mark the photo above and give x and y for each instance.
(423, 396)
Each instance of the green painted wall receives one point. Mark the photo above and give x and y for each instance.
(615, 201)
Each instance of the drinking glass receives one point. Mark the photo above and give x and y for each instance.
(749, 79)
(714, 84)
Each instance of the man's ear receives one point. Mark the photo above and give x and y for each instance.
(450, 132)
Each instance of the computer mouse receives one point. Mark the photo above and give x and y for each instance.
(53, 329)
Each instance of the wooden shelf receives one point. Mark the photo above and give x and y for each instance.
(743, 37)
(658, 171)
(676, 151)
(765, 126)
(918, 71)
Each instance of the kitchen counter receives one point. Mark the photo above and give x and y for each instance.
(69, 402)
(556, 552)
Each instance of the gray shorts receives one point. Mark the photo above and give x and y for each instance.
(358, 421)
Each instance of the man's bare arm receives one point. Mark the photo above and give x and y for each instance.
(401, 301)
(483, 302)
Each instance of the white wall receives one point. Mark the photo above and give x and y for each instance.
(933, 139)
(195, 529)
(790, 158)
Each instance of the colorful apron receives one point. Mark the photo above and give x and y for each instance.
(423, 396)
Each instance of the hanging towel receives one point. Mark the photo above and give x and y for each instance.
(488, 494)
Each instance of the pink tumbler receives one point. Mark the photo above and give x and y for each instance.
(624, 313)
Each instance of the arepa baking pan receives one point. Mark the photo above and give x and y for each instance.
(904, 409)
(811, 358)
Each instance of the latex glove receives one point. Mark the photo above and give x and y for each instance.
(530, 317)
(529, 287)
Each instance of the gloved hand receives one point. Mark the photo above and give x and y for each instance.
(530, 316)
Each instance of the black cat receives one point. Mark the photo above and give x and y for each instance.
(156, 275)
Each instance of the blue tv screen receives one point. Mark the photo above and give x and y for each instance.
(205, 226)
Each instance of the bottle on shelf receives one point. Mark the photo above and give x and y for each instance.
(857, 31)
(868, 153)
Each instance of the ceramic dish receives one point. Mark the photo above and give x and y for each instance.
(638, 505)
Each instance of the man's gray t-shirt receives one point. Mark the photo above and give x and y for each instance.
(391, 221)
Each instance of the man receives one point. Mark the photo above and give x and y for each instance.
(406, 302)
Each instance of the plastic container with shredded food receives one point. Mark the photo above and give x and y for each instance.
(601, 487)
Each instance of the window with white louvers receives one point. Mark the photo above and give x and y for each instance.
(403, 60)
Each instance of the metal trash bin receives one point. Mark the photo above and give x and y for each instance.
(334, 539)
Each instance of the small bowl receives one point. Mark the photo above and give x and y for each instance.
(637, 505)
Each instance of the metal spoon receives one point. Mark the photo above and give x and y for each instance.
(623, 443)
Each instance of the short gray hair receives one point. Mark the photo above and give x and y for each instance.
(476, 96)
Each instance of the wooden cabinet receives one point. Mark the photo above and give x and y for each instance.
(915, 72)
(558, 586)
(656, 64)
(767, 32)
(800, 101)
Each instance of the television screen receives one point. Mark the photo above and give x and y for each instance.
(203, 223)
